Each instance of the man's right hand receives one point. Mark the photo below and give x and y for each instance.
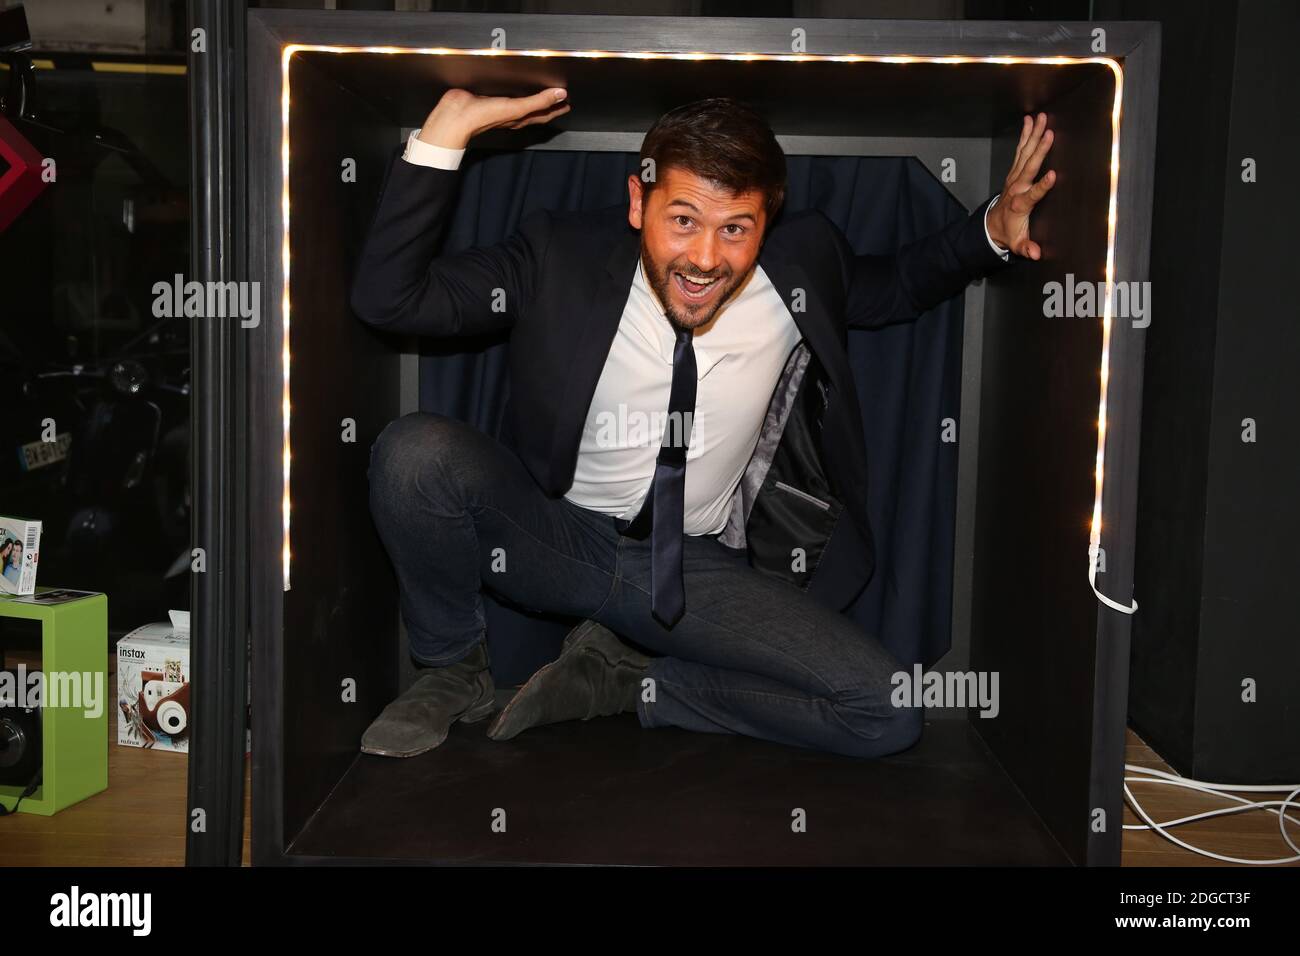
(461, 115)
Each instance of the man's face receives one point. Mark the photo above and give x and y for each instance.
(699, 243)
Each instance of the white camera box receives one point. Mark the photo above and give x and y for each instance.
(153, 687)
(20, 543)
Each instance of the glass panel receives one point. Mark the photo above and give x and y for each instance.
(94, 436)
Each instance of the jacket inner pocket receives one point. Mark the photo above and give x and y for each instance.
(824, 505)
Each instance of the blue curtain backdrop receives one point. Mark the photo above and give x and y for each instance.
(908, 376)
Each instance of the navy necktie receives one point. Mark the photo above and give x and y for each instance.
(663, 512)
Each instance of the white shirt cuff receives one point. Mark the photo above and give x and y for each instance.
(421, 153)
(1004, 253)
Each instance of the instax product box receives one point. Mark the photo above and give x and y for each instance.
(20, 542)
(153, 688)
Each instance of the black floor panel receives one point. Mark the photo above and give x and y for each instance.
(608, 792)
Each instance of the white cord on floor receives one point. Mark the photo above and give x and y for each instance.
(1221, 812)
(1215, 789)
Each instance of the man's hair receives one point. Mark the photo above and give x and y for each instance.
(721, 140)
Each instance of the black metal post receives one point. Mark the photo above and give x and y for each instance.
(219, 487)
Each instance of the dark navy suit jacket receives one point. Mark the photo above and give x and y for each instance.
(558, 286)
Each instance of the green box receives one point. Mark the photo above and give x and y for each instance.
(74, 746)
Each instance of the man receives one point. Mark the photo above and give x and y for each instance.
(725, 537)
(13, 569)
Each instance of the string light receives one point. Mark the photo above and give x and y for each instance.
(288, 51)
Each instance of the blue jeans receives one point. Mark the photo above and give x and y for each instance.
(753, 655)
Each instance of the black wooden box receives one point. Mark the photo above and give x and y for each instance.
(1039, 481)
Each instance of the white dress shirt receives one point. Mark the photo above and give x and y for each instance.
(738, 360)
(739, 356)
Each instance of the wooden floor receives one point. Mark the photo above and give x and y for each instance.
(1253, 835)
(139, 820)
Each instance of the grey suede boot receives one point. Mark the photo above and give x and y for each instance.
(419, 720)
(595, 675)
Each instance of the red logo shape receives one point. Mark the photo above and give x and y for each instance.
(21, 182)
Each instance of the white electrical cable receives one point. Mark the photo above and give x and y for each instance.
(1161, 776)
(1206, 853)
(1222, 811)
(1170, 779)
(1188, 781)
(1092, 581)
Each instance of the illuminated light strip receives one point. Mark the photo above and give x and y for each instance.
(287, 52)
(286, 451)
(1112, 219)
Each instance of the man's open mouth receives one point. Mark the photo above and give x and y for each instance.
(696, 288)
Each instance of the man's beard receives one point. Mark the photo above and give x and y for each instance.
(661, 280)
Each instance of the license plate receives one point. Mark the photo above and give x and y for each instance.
(38, 454)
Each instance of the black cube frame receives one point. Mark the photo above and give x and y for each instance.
(1084, 784)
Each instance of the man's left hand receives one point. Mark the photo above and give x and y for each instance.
(1008, 220)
